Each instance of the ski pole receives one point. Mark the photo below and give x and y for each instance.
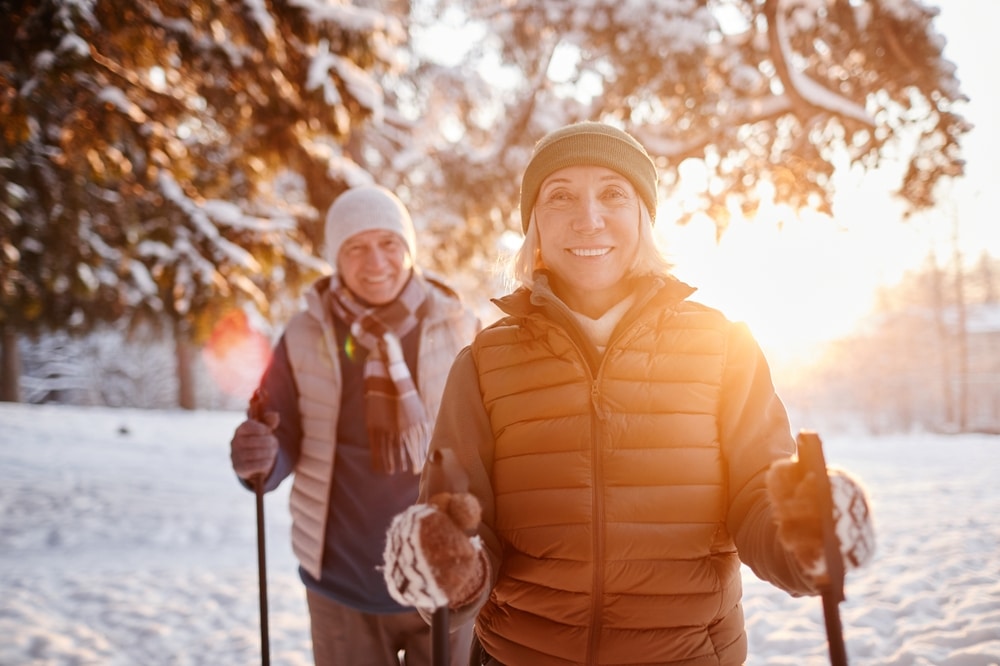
(444, 475)
(257, 414)
(265, 658)
(440, 649)
(810, 449)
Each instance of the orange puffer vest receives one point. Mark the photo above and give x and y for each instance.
(611, 495)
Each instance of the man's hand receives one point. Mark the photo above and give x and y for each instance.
(254, 448)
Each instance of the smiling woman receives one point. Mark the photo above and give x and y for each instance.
(642, 406)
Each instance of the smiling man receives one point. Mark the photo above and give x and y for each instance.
(348, 402)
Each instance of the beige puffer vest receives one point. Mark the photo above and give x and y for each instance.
(312, 349)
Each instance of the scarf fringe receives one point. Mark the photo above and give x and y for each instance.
(398, 452)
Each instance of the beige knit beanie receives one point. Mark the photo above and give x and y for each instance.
(363, 209)
(588, 143)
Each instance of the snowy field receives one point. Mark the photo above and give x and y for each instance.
(125, 540)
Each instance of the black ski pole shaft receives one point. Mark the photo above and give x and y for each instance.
(257, 414)
(444, 474)
(810, 450)
(265, 650)
(439, 637)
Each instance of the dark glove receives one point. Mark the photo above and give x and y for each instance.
(254, 448)
(794, 495)
(430, 559)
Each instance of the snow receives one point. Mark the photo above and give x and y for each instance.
(125, 539)
(810, 90)
(319, 74)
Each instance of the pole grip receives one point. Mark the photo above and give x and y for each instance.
(811, 457)
(810, 452)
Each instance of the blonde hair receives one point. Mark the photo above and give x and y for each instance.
(649, 258)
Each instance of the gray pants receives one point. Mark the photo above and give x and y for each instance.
(342, 636)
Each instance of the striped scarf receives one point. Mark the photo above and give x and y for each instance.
(398, 425)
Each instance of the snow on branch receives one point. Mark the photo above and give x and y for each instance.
(800, 84)
(204, 225)
(358, 82)
(117, 98)
(350, 18)
(230, 215)
(143, 280)
(319, 74)
(260, 15)
(362, 87)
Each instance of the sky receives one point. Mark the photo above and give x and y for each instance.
(126, 539)
(812, 281)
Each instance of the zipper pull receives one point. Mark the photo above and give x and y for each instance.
(598, 402)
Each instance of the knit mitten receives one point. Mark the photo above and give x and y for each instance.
(430, 559)
(794, 495)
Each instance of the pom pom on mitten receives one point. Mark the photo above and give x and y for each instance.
(794, 494)
(430, 559)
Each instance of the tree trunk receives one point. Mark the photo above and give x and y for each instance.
(185, 353)
(944, 346)
(961, 331)
(10, 365)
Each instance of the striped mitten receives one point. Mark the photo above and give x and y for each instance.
(430, 559)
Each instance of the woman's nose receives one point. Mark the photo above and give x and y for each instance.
(591, 216)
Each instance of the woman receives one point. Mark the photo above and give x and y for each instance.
(618, 438)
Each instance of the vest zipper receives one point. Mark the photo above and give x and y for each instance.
(597, 499)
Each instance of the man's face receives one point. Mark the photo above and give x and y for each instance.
(375, 265)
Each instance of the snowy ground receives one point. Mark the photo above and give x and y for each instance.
(125, 539)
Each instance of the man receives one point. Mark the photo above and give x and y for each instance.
(347, 405)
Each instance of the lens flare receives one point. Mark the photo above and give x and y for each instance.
(351, 348)
(236, 354)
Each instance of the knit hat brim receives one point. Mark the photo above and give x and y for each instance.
(591, 144)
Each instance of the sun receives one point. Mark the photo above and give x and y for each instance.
(798, 282)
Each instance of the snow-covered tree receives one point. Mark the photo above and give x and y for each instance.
(170, 160)
(173, 159)
(740, 101)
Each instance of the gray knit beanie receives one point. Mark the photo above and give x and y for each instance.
(588, 143)
(363, 209)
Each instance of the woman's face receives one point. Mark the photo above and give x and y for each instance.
(588, 229)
